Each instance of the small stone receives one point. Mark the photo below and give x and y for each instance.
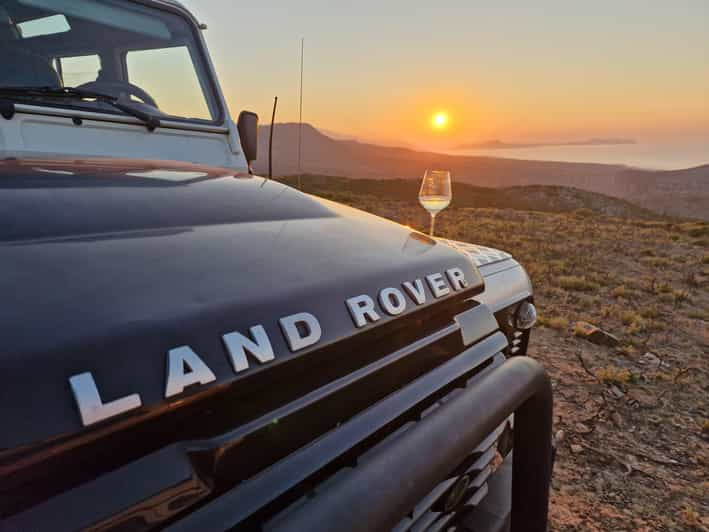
(617, 392)
(576, 448)
(642, 398)
(559, 437)
(617, 420)
(599, 485)
(650, 359)
(580, 428)
(594, 334)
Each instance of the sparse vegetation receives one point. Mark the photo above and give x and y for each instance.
(650, 311)
(694, 229)
(580, 284)
(580, 204)
(556, 322)
(620, 291)
(615, 375)
(644, 400)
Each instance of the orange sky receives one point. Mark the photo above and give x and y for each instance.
(547, 70)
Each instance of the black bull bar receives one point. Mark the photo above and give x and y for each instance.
(379, 492)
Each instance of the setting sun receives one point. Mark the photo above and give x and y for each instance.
(439, 120)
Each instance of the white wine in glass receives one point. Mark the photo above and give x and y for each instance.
(435, 194)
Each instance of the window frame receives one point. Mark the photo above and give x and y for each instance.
(210, 86)
(195, 28)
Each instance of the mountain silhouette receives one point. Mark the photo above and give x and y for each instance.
(679, 193)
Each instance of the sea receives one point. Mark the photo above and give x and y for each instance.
(652, 155)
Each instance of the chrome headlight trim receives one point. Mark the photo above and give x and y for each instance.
(525, 315)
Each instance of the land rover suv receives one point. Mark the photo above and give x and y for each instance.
(187, 346)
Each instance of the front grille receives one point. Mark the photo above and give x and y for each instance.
(441, 506)
(443, 503)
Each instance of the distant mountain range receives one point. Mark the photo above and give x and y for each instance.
(501, 145)
(679, 193)
(543, 198)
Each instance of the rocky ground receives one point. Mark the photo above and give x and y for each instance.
(631, 420)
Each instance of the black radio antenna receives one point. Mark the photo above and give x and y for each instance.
(270, 139)
(300, 119)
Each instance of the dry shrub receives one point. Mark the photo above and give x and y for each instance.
(583, 213)
(650, 311)
(698, 315)
(694, 229)
(691, 517)
(627, 349)
(679, 297)
(615, 375)
(637, 327)
(579, 284)
(667, 297)
(628, 317)
(556, 322)
(620, 291)
(656, 261)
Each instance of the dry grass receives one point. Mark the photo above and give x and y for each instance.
(644, 466)
(615, 375)
(556, 322)
(580, 284)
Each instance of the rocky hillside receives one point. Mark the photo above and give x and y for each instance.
(688, 190)
(531, 198)
(680, 193)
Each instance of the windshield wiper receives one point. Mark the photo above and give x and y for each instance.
(151, 121)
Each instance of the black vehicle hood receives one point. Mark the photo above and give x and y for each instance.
(106, 265)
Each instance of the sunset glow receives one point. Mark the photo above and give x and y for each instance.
(515, 72)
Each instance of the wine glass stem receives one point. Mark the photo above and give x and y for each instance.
(433, 223)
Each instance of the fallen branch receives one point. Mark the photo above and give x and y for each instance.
(595, 377)
(684, 372)
(681, 373)
(630, 462)
(586, 369)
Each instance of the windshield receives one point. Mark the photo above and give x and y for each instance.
(123, 49)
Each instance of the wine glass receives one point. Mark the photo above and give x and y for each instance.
(435, 194)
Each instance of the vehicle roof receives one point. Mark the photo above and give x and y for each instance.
(174, 3)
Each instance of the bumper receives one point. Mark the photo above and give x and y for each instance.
(376, 495)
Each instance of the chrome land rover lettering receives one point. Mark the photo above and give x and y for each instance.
(259, 346)
(92, 409)
(186, 369)
(392, 301)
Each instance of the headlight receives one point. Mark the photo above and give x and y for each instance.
(526, 316)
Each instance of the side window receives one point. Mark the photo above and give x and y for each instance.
(78, 70)
(169, 76)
